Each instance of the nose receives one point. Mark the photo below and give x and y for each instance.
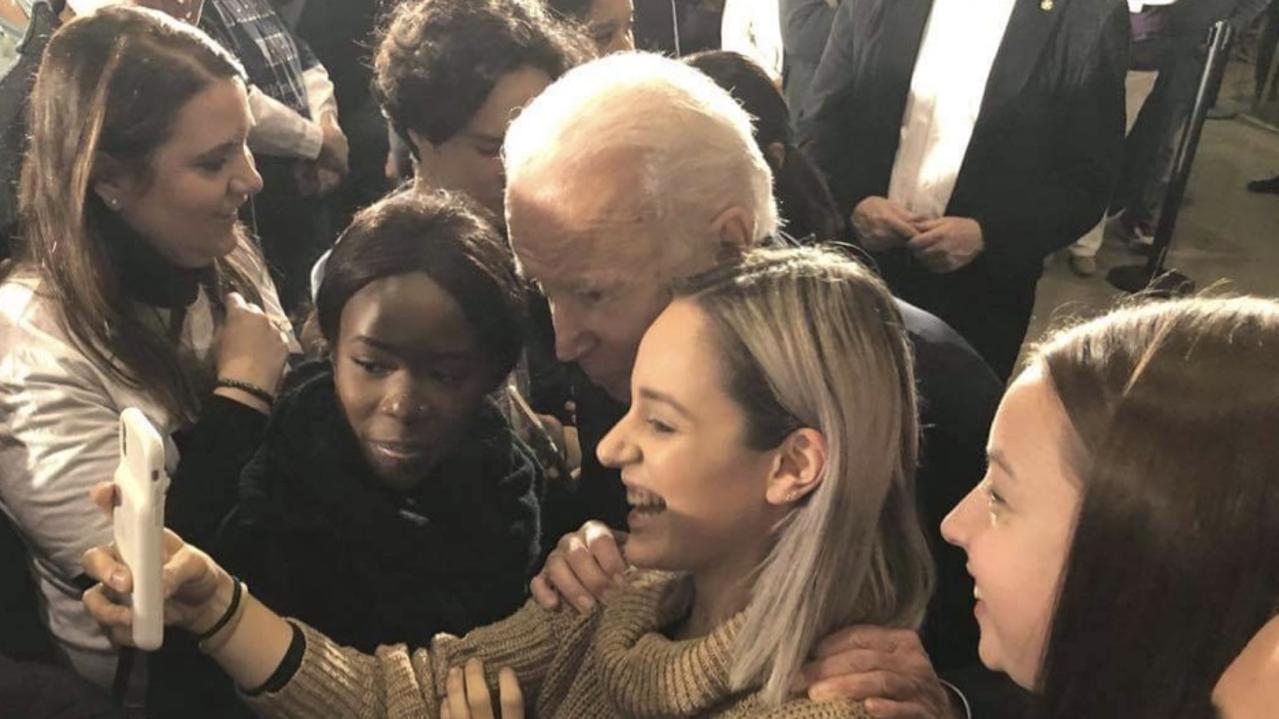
(404, 403)
(616, 450)
(572, 340)
(958, 526)
(246, 181)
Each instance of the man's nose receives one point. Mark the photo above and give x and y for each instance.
(572, 339)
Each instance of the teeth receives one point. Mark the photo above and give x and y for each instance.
(644, 500)
(976, 593)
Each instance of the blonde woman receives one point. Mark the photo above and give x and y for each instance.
(767, 455)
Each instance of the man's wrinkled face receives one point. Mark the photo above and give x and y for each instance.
(604, 263)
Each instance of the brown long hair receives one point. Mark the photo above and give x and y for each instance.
(1175, 559)
(113, 83)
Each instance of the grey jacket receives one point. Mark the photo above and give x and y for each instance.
(59, 415)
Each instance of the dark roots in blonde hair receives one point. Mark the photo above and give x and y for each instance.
(810, 338)
(1173, 564)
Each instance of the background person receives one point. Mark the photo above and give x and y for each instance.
(968, 143)
(1121, 539)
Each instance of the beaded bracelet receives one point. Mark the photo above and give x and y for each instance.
(248, 388)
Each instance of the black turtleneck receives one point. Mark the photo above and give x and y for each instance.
(227, 433)
(144, 274)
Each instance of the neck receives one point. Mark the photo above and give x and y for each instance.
(719, 593)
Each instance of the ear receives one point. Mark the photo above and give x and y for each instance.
(734, 231)
(111, 181)
(422, 147)
(775, 153)
(799, 468)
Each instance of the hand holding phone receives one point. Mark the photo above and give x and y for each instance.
(141, 483)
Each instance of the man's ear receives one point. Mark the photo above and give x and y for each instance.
(734, 231)
(800, 467)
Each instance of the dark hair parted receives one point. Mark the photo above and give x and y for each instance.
(112, 84)
(803, 197)
(1173, 568)
(438, 60)
(442, 235)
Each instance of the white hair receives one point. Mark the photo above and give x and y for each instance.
(693, 145)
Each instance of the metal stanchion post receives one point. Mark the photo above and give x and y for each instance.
(1153, 276)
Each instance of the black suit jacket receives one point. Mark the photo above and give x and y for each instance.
(1045, 152)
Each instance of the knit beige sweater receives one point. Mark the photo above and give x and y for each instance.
(613, 662)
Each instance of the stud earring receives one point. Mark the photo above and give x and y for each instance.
(113, 203)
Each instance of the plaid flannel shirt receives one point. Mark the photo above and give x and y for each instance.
(272, 57)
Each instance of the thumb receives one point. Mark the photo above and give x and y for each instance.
(235, 300)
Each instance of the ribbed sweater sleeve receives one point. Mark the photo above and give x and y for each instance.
(338, 681)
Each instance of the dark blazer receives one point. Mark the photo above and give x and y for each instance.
(1045, 152)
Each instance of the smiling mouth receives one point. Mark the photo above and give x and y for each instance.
(644, 503)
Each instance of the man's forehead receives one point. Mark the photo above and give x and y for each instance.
(579, 226)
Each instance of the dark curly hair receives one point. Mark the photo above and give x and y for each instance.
(445, 236)
(438, 60)
(575, 10)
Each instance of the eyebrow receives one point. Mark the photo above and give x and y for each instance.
(220, 149)
(994, 456)
(655, 396)
(390, 348)
(485, 137)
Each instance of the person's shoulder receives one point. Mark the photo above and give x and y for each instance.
(29, 316)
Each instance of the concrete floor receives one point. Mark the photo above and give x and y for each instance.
(1227, 239)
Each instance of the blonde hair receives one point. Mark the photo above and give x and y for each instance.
(692, 144)
(810, 338)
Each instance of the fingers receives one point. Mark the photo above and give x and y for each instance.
(509, 694)
(865, 636)
(926, 240)
(858, 687)
(892, 709)
(848, 662)
(602, 542)
(560, 575)
(477, 691)
(186, 566)
(545, 597)
(236, 300)
(105, 609)
(103, 564)
(105, 496)
(900, 226)
(455, 698)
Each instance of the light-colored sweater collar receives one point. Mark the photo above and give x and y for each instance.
(646, 674)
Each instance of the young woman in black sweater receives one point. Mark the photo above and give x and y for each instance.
(391, 499)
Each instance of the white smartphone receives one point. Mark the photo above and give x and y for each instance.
(141, 482)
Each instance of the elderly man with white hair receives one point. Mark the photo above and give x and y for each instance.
(632, 172)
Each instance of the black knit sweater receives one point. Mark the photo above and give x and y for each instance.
(315, 536)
